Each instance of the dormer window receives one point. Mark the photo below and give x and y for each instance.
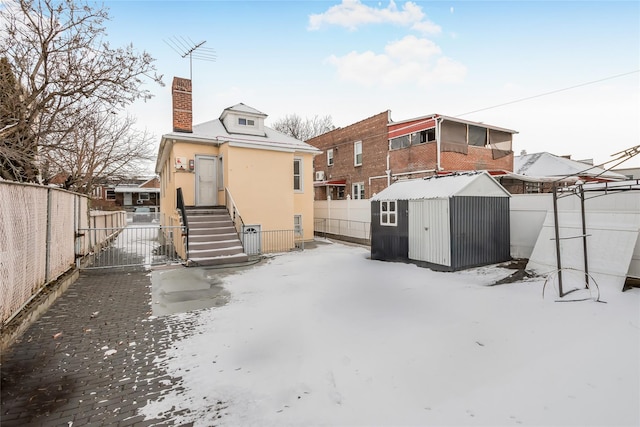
(246, 122)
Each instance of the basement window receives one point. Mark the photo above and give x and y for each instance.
(388, 213)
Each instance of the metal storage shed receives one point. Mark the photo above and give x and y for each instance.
(447, 222)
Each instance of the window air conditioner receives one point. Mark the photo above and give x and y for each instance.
(320, 176)
(140, 202)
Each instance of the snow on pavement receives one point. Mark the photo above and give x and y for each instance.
(329, 337)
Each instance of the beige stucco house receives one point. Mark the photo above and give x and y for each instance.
(261, 177)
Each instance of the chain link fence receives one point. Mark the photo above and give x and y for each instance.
(38, 228)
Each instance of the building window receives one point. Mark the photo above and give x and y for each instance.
(297, 225)
(400, 142)
(143, 196)
(246, 122)
(111, 194)
(357, 153)
(428, 135)
(477, 136)
(297, 174)
(404, 141)
(340, 193)
(358, 190)
(388, 214)
(330, 157)
(532, 187)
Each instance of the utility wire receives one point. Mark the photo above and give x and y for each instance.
(550, 93)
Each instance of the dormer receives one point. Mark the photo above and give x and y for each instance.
(242, 119)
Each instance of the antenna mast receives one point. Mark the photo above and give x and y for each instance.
(187, 47)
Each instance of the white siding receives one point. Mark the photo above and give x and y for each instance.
(429, 232)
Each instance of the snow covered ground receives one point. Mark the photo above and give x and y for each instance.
(329, 337)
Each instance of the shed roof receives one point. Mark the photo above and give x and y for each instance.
(477, 183)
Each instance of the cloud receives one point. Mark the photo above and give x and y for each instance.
(351, 14)
(411, 59)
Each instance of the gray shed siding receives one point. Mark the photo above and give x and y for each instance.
(479, 231)
(390, 243)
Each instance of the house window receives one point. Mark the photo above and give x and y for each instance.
(297, 174)
(340, 193)
(400, 142)
(246, 122)
(358, 190)
(388, 214)
(428, 135)
(111, 194)
(532, 187)
(330, 157)
(143, 196)
(297, 225)
(357, 153)
(477, 136)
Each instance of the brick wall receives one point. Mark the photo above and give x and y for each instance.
(373, 134)
(413, 158)
(477, 158)
(182, 108)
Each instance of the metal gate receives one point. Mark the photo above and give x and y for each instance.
(134, 245)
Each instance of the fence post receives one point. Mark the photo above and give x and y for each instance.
(47, 262)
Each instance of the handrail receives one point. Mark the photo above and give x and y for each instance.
(183, 213)
(233, 211)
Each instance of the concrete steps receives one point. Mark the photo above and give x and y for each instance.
(213, 239)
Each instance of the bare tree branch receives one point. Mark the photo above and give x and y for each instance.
(62, 65)
(304, 129)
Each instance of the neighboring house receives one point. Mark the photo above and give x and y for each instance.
(128, 196)
(630, 173)
(537, 173)
(362, 159)
(260, 175)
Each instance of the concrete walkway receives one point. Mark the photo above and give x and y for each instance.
(89, 360)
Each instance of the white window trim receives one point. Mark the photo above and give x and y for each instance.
(247, 122)
(301, 175)
(356, 193)
(355, 153)
(386, 212)
(330, 157)
(144, 196)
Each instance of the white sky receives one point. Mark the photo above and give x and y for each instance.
(354, 59)
(329, 337)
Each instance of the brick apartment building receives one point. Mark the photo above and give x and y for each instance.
(364, 158)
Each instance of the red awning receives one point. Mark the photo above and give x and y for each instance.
(334, 183)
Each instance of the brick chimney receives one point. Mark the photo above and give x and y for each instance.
(182, 113)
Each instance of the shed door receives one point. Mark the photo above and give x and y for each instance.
(429, 231)
(206, 185)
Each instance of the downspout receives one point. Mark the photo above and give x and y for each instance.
(388, 171)
(438, 136)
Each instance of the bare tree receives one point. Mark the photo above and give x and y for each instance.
(17, 142)
(304, 129)
(63, 67)
(103, 146)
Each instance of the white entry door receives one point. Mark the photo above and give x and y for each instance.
(206, 184)
(128, 200)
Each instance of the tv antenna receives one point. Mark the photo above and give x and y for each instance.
(187, 47)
